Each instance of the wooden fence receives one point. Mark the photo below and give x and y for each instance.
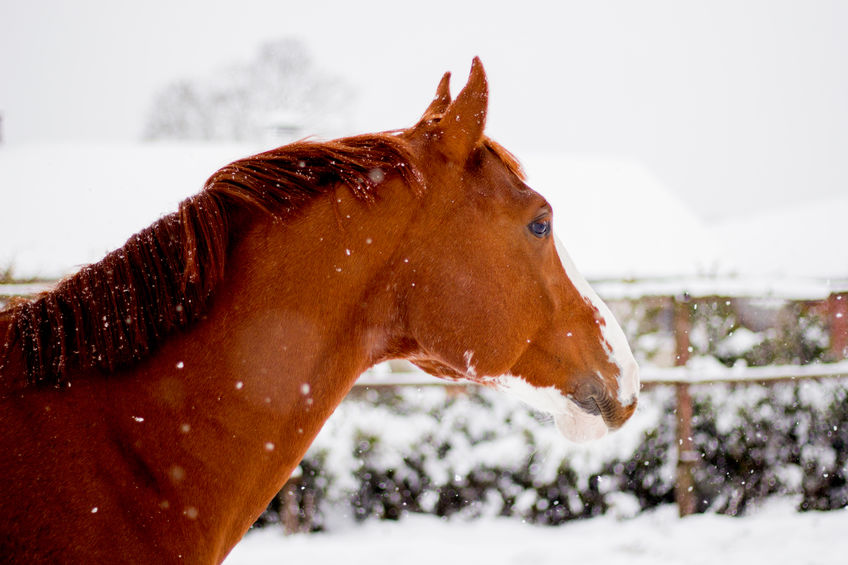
(682, 377)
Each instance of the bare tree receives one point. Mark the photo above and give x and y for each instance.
(278, 93)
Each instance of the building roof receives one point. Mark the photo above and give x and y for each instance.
(618, 221)
(805, 239)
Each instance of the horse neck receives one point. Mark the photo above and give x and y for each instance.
(241, 396)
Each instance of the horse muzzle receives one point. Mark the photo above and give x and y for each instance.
(595, 400)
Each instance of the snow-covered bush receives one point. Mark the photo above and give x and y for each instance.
(755, 332)
(789, 438)
(794, 332)
(390, 452)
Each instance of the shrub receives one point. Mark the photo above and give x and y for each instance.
(483, 454)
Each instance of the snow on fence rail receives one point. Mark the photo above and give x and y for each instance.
(760, 375)
(11, 290)
(650, 376)
(788, 288)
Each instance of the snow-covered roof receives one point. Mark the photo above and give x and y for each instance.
(618, 221)
(806, 239)
(67, 205)
(63, 206)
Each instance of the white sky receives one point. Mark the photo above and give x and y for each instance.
(734, 104)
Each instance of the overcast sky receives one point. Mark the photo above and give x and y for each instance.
(732, 104)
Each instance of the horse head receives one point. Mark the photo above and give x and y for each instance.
(490, 294)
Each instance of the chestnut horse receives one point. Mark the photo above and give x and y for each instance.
(154, 402)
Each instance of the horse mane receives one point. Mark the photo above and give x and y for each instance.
(113, 313)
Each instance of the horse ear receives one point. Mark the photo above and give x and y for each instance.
(464, 120)
(440, 102)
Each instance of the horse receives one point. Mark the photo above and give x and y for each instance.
(153, 403)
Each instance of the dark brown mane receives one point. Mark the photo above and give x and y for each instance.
(115, 312)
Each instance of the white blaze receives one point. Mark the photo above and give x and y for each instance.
(615, 342)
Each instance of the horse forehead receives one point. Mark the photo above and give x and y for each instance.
(504, 188)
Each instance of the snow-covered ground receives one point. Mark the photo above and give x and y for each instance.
(774, 534)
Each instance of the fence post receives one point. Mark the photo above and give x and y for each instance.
(291, 508)
(684, 490)
(837, 307)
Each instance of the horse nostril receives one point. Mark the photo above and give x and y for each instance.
(595, 399)
(586, 397)
(589, 405)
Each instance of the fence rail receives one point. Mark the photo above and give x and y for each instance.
(8, 290)
(650, 376)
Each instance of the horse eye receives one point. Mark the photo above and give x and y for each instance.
(540, 228)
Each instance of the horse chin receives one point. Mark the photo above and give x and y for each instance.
(579, 426)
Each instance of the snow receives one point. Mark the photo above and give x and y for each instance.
(738, 342)
(67, 205)
(617, 220)
(487, 430)
(775, 534)
(710, 370)
(805, 238)
(748, 286)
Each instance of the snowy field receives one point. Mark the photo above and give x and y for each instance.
(774, 534)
